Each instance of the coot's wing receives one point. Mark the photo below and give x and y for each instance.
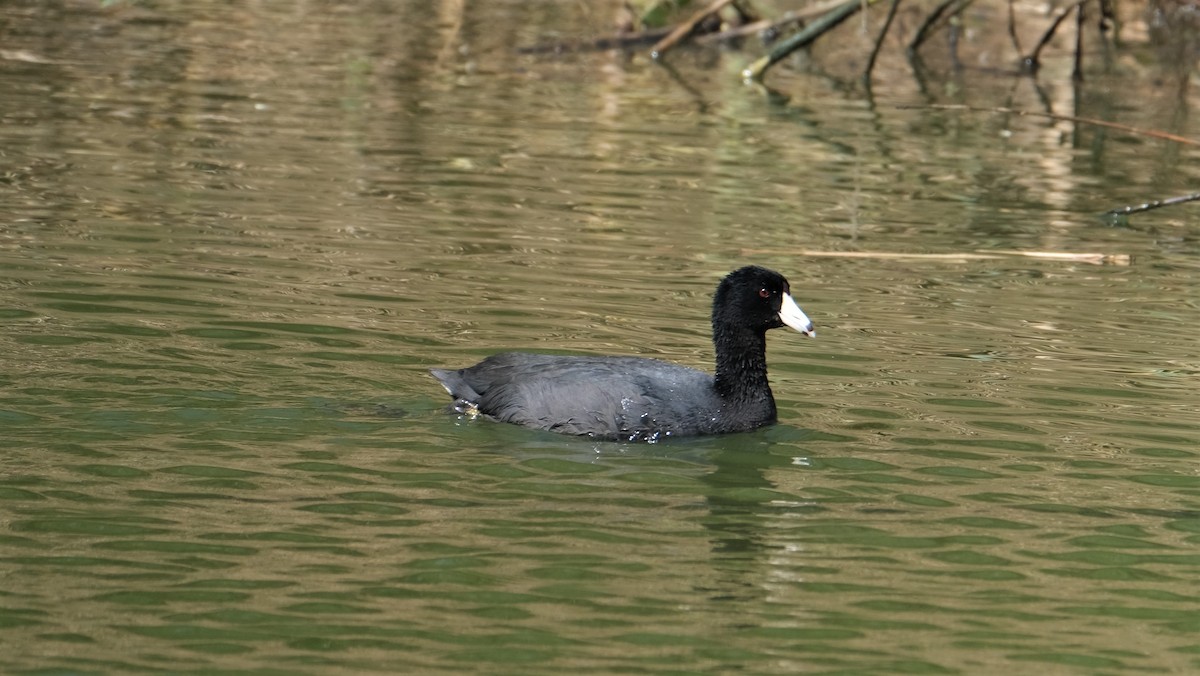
(608, 397)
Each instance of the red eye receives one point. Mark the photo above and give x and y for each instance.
(763, 293)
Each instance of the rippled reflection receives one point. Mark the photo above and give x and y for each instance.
(233, 246)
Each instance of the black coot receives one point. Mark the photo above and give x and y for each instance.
(639, 399)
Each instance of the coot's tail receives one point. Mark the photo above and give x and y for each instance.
(465, 396)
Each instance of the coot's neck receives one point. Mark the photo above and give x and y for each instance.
(741, 364)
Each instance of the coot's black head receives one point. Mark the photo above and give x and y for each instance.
(758, 299)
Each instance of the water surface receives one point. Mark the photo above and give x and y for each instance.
(234, 240)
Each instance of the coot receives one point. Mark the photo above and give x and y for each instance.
(640, 399)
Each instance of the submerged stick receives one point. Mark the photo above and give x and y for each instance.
(805, 37)
(1152, 133)
(1155, 204)
(686, 28)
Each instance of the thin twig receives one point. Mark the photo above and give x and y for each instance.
(1030, 62)
(1156, 204)
(686, 28)
(742, 31)
(767, 26)
(978, 255)
(1093, 258)
(887, 24)
(805, 37)
(1152, 133)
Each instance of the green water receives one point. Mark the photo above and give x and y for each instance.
(234, 239)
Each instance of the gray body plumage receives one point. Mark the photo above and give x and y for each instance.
(625, 398)
(640, 399)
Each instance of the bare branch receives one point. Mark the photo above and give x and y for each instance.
(963, 257)
(1031, 63)
(887, 24)
(927, 26)
(686, 28)
(805, 37)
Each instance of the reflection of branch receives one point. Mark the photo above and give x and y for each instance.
(453, 31)
(1152, 133)
(702, 106)
(623, 41)
(1156, 204)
